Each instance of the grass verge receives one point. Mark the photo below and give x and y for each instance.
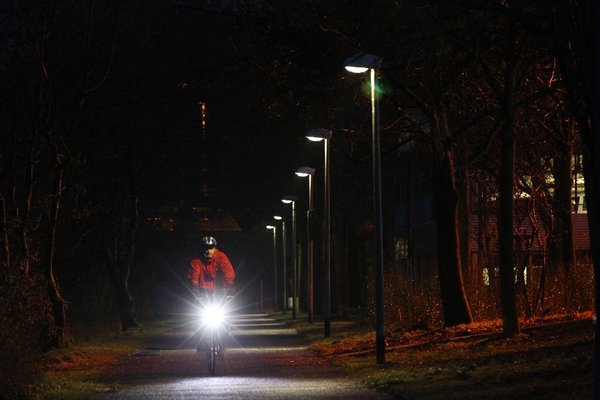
(550, 361)
(75, 372)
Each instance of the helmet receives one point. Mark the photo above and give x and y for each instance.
(209, 241)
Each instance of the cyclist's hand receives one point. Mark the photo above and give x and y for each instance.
(229, 290)
(200, 294)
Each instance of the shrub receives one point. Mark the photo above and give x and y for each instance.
(25, 324)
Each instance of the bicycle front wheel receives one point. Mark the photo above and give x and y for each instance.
(212, 353)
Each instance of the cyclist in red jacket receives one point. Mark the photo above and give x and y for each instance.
(212, 269)
(212, 274)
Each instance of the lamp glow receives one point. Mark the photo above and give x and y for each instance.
(356, 70)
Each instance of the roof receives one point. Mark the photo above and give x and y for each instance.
(524, 230)
(198, 218)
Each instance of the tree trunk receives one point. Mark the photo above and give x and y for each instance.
(119, 276)
(23, 252)
(59, 305)
(120, 247)
(343, 279)
(562, 252)
(464, 210)
(454, 300)
(508, 298)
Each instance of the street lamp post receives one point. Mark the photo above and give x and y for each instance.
(291, 199)
(309, 172)
(317, 135)
(359, 63)
(284, 257)
(274, 229)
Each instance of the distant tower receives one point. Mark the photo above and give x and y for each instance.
(204, 191)
(202, 106)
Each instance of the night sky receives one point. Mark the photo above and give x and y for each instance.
(253, 139)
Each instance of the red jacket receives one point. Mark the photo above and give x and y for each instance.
(203, 271)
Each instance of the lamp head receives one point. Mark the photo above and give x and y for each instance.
(277, 217)
(305, 171)
(316, 135)
(289, 198)
(270, 227)
(361, 62)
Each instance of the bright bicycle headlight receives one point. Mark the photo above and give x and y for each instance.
(213, 315)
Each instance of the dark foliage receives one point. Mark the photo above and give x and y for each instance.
(25, 331)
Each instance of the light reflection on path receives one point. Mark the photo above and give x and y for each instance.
(261, 362)
(249, 388)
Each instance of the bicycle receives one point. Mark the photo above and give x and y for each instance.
(214, 321)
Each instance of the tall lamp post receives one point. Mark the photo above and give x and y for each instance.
(291, 199)
(317, 135)
(284, 257)
(274, 229)
(359, 63)
(309, 172)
